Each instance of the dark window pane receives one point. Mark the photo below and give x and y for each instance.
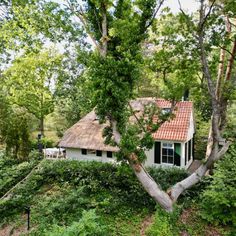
(164, 151)
(84, 151)
(98, 153)
(170, 152)
(164, 159)
(170, 159)
(109, 154)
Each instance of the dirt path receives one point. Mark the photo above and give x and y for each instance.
(145, 224)
(11, 231)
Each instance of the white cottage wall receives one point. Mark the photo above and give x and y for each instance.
(191, 128)
(75, 154)
(150, 157)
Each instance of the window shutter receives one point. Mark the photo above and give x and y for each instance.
(157, 154)
(189, 150)
(193, 142)
(186, 152)
(177, 154)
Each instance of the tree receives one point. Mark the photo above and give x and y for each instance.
(14, 128)
(30, 81)
(117, 31)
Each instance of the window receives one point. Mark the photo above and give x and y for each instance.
(91, 152)
(84, 151)
(109, 154)
(168, 153)
(98, 153)
(165, 111)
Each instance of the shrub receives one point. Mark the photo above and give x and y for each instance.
(166, 177)
(87, 226)
(100, 183)
(218, 203)
(11, 172)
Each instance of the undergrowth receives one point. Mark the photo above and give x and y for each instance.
(60, 192)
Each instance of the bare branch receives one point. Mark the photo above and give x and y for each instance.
(204, 19)
(225, 49)
(231, 61)
(99, 27)
(83, 20)
(181, 9)
(154, 15)
(223, 150)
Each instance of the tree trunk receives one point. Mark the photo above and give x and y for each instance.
(41, 126)
(104, 30)
(151, 186)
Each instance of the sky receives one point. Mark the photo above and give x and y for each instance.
(187, 5)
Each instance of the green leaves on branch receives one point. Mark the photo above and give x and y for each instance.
(30, 81)
(219, 199)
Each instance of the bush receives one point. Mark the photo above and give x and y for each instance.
(166, 177)
(87, 226)
(99, 183)
(218, 203)
(11, 172)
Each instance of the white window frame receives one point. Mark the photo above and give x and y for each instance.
(170, 147)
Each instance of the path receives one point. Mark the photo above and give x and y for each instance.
(7, 194)
(145, 224)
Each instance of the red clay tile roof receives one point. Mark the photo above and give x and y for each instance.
(177, 128)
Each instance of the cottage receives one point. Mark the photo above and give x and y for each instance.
(173, 140)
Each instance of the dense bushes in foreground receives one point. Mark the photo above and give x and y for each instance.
(219, 199)
(59, 191)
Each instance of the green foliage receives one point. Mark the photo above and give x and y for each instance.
(14, 128)
(87, 226)
(114, 76)
(164, 223)
(11, 172)
(219, 199)
(29, 79)
(172, 63)
(46, 142)
(72, 186)
(201, 137)
(167, 177)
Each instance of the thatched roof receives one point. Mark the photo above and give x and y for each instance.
(87, 133)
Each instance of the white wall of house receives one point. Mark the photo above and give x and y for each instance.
(182, 162)
(150, 157)
(76, 154)
(191, 128)
(151, 153)
(189, 162)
